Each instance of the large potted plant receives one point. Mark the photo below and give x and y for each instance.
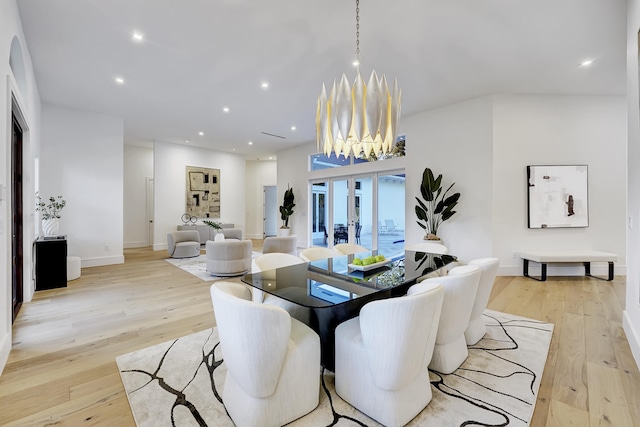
(286, 210)
(50, 213)
(436, 206)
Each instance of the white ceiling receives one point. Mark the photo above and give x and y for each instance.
(201, 55)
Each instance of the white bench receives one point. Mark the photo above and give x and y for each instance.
(584, 256)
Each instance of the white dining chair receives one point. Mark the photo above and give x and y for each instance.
(272, 360)
(476, 327)
(349, 248)
(460, 287)
(268, 263)
(315, 253)
(381, 356)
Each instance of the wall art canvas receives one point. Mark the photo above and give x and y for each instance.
(203, 192)
(558, 196)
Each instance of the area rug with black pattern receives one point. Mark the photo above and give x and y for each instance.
(180, 382)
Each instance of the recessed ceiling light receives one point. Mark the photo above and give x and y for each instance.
(137, 36)
(187, 141)
(225, 109)
(201, 133)
(270, 158)
(586, 63)
(119, 80)
(264, 85)
(293, 128)
(233, 149)
(250, 143)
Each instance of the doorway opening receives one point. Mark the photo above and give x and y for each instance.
(17, 226)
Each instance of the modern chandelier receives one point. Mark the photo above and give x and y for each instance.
(356, 119)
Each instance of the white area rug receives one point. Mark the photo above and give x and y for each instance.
(198, 266)
(180, 382)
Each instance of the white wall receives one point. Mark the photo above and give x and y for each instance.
(559, 130)
(455, 141)
(138, 167)
(258, 175)
(631, 319)
(169, 163)
(82, 160)
(29, 103)
(293, 170)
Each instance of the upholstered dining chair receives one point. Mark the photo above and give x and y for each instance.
(269, 262)
(488, 270)
(349, 248)
(381, 357)
(282, 244)
(272, 360)
(315, 253)
(460, 287)
(183, 243)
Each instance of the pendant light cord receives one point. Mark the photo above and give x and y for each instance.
(358, 33)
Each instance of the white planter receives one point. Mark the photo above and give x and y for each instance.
(283, 232)
(51, 227)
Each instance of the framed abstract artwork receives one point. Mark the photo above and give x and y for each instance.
(558, 196)
(203, 192)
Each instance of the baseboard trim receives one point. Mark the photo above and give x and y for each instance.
(5, 349)
(97, 262)
(161, 246)
(129, 245)
(633, 336)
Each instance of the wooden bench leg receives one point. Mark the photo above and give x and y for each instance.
(525, 271)
(587, 271)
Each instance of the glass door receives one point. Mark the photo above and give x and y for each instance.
(367, 210)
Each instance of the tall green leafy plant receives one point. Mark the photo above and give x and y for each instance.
(437, 206)
(286, 210)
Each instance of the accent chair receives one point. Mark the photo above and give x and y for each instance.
(183, 244)
(229, 257)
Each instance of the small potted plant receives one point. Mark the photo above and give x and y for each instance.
(286, 210)
(437, 207)
(50, 213)
(216, 227)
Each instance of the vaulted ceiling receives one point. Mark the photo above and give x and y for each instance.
(199, 56)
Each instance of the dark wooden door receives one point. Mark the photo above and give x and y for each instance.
(16, 217)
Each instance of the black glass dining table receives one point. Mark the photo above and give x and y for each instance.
(334, 289)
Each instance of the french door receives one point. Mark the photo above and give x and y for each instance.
(349, 209)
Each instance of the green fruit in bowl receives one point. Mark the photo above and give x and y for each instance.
(357, 261)
(379, 258)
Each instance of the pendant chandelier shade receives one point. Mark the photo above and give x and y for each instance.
(358, 118)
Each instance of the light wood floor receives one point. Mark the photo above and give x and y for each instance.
(62, 368)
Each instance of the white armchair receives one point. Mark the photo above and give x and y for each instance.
(282, 244)
(488, 270)
(460, 287)
(183, 244)
(273, 361)
(382, 355)
(229, 257)
(349, 248)
(269, 262)
(315, 253)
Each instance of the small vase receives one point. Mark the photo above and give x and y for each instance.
(50, 227)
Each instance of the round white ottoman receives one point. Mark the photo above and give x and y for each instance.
(73, 267)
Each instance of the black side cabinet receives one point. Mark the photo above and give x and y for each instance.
(51, 263)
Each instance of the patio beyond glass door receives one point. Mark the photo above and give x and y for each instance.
(352, 199)
(367, 210)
